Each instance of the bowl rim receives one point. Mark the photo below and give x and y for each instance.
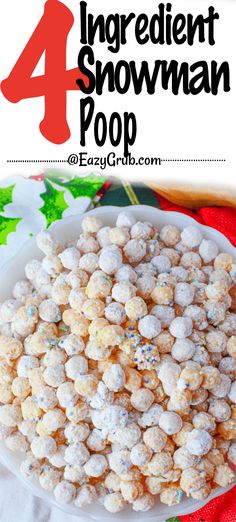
(180, 220)
(129, 208)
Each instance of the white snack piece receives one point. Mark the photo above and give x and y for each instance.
(85, 495)
(110, 259)
(161, 264)
(151, 416)
(125, 219)
(126, 273)
(169, 374)
(22, 289)
(43, 446)
(170, 235)
(76, 432)
(135, 250)
(8, 310)
(232, 392)
(95, 440)
(199, 442)
(65, 492)
(47, 398)
(141, 230)
(103, 237)
(155, 439)
(232, 453)
(184, 294)
(32, 268)
(54, 375)
(191, 237)
(164, 313)
(183, 459)
(149, 326)
(17, 442)
(49, 311)
(119, 236)
(119, 461)
(30, 468)
(142, 399)
(181, 327)
(72, 344)
(114, 502)
(49, 478)
(115, 313)
(47, 243)
(91, 224)
(123, 292)
(25, 364)
(89, 262)
(77, 454)
(182, 350)
(52, 265)
(76, 366)
(144, 503)
(208, 250)
(70, 258)
(66, 394)
(114, 377)
(58, 459)
(96, 466)
(170, 422)
(219, 409)
(140, 455)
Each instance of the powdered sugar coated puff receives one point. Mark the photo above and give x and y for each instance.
(149, 326)
(199, 442)
(125, 219)
(181, 327)
(208, 250)
(191, 237)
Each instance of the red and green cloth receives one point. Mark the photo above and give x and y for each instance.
(221, 218)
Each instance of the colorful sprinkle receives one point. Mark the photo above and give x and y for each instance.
(31, 311)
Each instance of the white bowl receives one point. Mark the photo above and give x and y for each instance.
(66, 230)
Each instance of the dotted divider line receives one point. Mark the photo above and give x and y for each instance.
(194, 160)
(37, 161)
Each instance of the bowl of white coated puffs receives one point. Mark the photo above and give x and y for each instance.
(118, 364)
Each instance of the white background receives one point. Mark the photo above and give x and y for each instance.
(169, 126)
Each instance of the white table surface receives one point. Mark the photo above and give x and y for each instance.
(19, 505)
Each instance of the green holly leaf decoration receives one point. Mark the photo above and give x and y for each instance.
(7, 225)
(78, 187)
(173, 519)
(5, 196)
(54, 203)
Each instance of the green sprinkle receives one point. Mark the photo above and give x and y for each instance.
(107, 279)
(159, 475)
(64, 328)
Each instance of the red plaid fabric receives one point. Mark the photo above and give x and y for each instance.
(220, 218)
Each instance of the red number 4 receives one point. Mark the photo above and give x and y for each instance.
(50, 36)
